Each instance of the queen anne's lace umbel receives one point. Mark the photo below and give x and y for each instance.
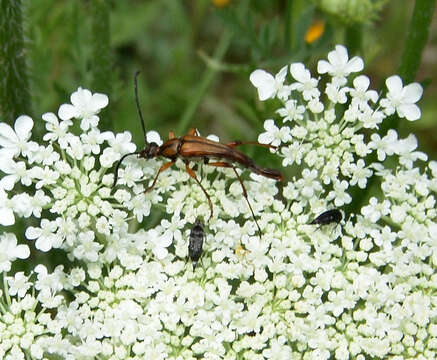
(365, 289)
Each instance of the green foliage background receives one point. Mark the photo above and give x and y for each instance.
(184, 82)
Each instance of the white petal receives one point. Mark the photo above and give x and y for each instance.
(80, 97)
(50, 118)
(23, 126)
(67, 112)
(166, 239)
(22, 252)
(280, 76)
(43, 244)
(32, 232)
(100, 100)
(412, 93)
(372, 95)
(339, 56)
(260, 77)
(355, 64)
(410, 112)
(361, 82)
(269, 125)
(6, 217)
(265, 138)
(264, 82)
(298, 71)
(7, 136)
(394, 84)
(153, 136)
(7, 182)
(323, 67)
(160, 252)
(7, 153)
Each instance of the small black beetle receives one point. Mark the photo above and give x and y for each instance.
(196, 242)
(328, 217)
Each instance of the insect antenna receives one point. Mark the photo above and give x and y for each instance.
(118, 166)
(137, 102)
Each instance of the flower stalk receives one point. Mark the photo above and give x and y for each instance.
(15, 97)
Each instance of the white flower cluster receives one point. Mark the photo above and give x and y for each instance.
(365, 289)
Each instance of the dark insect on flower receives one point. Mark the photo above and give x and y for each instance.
(328, 217)
(192, 147)
(196, 242)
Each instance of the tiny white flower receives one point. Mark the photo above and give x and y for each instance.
(274, 136)
(108, 157)
(384, 146)
(339, 65)
(92, 140)
(309, 183)
(360, 94)
(371, 118)
(339, 194)
(405, 151)
(291, 111)
(44, 155)
(57, 131)
(336, 93)
(159, 243)
(360, 173)
(88, 249)
(19, 284)
(16, 171)
(315, 106)
(269, 86)
(375, 210)
(9, 251)
(45, 235)
(121, 143)
(15, 141)
(84, 105)
(402, 99)
(306, 84)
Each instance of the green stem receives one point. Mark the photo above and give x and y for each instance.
(416, 39)
(14, 83)
(208, 77)
(6, 291)
(101, 60)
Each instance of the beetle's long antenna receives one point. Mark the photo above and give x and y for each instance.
(118, 166)
(138, 105)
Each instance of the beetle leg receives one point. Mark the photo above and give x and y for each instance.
(193, 175)
(161, 169)
(228, 165)
(233, 144)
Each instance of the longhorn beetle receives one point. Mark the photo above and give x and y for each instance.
(193, 147)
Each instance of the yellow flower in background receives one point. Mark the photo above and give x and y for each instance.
(315, 31)
(220, 3)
